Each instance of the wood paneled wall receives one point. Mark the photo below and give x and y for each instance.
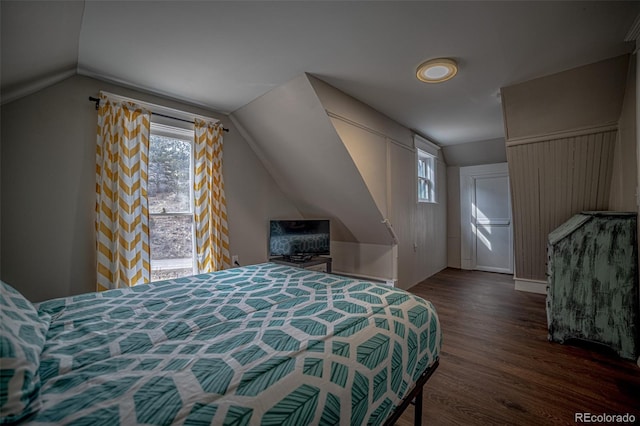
(553, 179)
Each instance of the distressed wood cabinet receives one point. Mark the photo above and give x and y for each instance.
(593, 281)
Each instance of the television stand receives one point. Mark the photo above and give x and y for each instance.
(298, 258)
(303, 261)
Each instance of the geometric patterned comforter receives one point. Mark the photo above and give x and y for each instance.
(263, 344)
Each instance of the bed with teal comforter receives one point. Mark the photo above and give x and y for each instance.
(263, 344)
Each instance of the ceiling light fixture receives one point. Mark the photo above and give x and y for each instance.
(437, 70)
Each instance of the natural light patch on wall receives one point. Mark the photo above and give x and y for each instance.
(478, 228)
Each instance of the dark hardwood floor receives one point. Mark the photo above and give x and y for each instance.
(498, 368)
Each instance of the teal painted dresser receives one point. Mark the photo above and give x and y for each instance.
(593, 281)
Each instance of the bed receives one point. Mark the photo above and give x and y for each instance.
(262, 344)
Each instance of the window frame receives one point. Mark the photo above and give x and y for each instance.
(183, 134)
(429, 177)
(429, 152)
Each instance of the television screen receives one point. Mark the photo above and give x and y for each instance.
(298, 238)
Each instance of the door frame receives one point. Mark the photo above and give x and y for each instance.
(468, 175)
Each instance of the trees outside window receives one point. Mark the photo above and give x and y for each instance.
(170, 193)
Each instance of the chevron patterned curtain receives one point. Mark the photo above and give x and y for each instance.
(122, 216)
(212, 236)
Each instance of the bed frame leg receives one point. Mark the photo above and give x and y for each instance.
(414, 397)
(417, 419)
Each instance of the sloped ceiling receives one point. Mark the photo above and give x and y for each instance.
(289, 129)
(39, 44)
(222, 55)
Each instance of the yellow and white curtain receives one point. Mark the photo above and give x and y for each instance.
(122, 214)
(212, 236)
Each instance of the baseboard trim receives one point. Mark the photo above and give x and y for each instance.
(387, 281)
(530, 286)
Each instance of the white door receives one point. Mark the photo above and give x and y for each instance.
(487, 231)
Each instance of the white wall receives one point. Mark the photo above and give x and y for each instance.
(382, 149)
(375, 261)
(421, 227)
(454, 236)
(475, 153)
(369, 153)
(290, 132)
(625, 167)
(561, 137)
(579, 98)
(48, 189)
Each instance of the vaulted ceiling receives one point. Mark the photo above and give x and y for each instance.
(223, 55)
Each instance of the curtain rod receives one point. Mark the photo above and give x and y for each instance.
(97, 101)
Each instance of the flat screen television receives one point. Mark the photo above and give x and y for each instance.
(299, 239)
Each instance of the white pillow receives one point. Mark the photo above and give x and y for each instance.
(22, 338)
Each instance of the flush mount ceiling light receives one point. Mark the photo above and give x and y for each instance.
(437, 70)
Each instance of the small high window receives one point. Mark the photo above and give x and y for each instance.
(426, 177)
(426, 156)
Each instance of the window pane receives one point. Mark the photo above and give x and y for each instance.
(168, 274)
(426, 177)
(422, 189)
(421, 168)
(169, 175)
(171, 244)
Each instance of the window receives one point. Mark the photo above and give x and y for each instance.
(427, 155)
(170, 191)
(426, 180)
